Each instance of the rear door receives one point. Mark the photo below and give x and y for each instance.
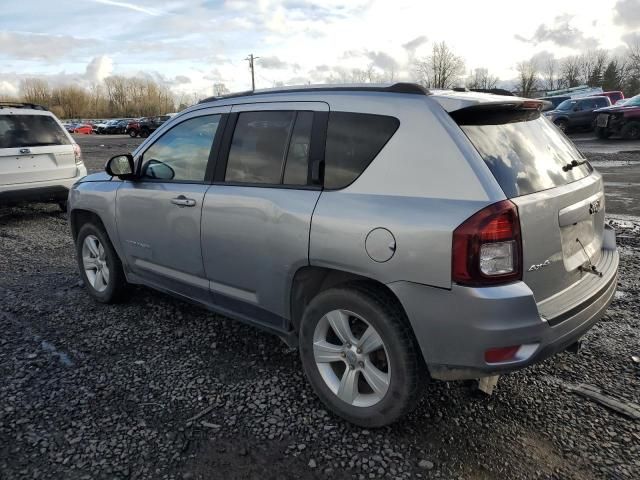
(560, 203)
(33, 148)
(257, 215)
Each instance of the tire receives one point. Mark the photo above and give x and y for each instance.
(602, 133)
(144, 133)
(631, 131)
(63, 206)
(113, 288)
(361, 308)
(133, 133)
(563, 125)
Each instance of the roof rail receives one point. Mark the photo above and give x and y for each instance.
(33, 106)
(400, 87)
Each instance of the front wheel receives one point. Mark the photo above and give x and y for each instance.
(563, 125)
(360, 355)
(133, 134)
(99, 264)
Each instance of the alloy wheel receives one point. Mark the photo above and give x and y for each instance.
(351, 358)
(94, 261)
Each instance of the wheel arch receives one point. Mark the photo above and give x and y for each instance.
(79, 217)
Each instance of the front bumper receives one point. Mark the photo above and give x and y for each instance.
(47, 191)
(455, 327)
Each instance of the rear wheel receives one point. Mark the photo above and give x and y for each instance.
(99, 264)
(563, 125)
(144, 133)
(602, 133)
(360, 355)
(631, 131)
(133, 133)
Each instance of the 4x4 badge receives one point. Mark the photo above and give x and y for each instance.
(538, 266)
(594, 207)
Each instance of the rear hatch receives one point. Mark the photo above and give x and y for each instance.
(559, 197)
(33, 148)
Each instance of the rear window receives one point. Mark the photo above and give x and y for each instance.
(17, 131)
(353, 141)
(525, 152)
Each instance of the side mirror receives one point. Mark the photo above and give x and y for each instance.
(121, 166)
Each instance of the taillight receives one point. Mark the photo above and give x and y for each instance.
(77, 153)
(487, 247)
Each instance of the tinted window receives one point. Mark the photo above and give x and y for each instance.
(182, 153)
(567, 105)
(353, 141)
(17, 131)
(524, 151)
(259, 146)
(297, 166)
(602, 102)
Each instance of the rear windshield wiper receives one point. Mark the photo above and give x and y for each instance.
(574, 163)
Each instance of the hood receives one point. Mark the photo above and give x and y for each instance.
(96, 177)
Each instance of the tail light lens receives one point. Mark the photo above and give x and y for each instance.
(487, 247)
(77, 152)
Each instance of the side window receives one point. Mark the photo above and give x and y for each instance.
(182, 153)
(297, 165)
(259, 146)
(353, 141)
(602, 102)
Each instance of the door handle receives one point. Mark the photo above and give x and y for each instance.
(183, 201)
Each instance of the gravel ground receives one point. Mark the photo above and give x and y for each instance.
(157, 388)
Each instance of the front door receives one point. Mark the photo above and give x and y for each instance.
(158, 215)
(257, 215)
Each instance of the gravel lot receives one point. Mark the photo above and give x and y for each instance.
(157, 388)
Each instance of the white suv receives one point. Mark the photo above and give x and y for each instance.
(39, 160)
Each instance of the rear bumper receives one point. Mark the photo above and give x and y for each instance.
(455, 327)
(47, 191)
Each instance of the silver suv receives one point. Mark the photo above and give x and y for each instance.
(391, 233)
(39, 160)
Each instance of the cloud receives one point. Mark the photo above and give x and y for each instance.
(561, 33)
(272, 63)
(8, 89)
(131, 6)
(412, 45)
(627, 13)
(182, 79)
(99, 68)
(35, 46)
(382, 60)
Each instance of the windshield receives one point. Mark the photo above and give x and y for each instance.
(633, 102)
(566, 105)
(525, 152)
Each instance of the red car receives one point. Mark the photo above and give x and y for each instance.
(86, 129)
(614, 96)
(620, 119)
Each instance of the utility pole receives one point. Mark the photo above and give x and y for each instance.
(250, 59)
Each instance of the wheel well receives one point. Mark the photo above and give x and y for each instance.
(80, 217)
(310, 281)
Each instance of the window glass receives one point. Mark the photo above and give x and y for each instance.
(353, 141)
(17, 131)
(258, 147)
(297, 166)
(525, 152)
(182, 153)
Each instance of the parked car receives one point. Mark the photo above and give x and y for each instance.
(117, 126)
(151, 124)
(83, 128)
(623, 120)
(555, 101)
(101, 126)
(390, 233)
(133, 127)
(577, 112)
(614, 96)
(70, 127)
(39, 160)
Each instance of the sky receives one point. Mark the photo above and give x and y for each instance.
(189, 45)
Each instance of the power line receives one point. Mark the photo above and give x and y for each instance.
(250, 59)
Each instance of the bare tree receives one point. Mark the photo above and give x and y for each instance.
(480, 78)
(550, 80)
(35, 90)
(220, 89)
(527, 77)
(441, 69)
(570, 72)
